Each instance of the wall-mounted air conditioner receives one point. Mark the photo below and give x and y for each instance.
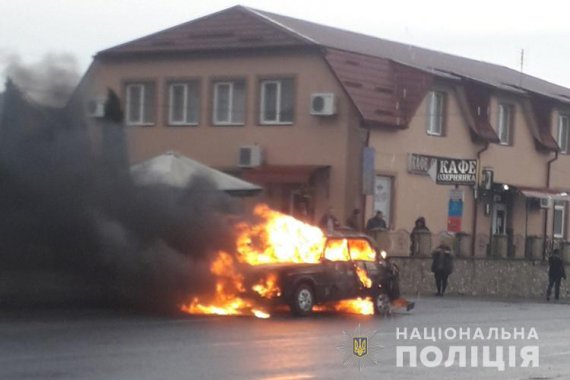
(545, 203)
(323, 104)
(96, 107)
(250, 156)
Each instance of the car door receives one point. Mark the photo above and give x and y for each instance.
(340, 275)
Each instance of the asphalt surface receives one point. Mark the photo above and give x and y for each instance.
(113, 345)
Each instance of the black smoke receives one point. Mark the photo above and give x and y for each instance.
(76, 230)
(49, 81)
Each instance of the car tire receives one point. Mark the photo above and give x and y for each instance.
(303, 300)
(382, 306)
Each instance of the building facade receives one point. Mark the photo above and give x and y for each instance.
(322, 117)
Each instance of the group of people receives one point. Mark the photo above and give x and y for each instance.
(442, 267)
(329, 222)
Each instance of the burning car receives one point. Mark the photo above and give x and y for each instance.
(280, 260)
(349, 268)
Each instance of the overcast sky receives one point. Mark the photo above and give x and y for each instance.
(492, 31)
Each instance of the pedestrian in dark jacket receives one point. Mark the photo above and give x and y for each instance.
(441, 266)
(376, 222)
(419, 228)
(556, 272)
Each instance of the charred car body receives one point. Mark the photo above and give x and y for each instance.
(350, 267)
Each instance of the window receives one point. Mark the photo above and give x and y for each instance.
(277, 101)
(183, 103)
(229, 103)
(505, 123)
(436, 113)
(563, 133)
(559, 217)
(140, 103)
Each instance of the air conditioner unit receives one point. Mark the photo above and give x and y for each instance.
(323, 104)
(545, 203)
(250, 156)
(96, 107)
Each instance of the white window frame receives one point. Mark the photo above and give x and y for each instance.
(559, 207)
(140, 120)
(279, 93)
(502, 123)
(184, 121)
(436, 117)
(563, 145)
(229, 115)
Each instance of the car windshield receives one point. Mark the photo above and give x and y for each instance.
(355, 248)
(360, 249)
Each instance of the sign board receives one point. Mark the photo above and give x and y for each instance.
(453, 171)
(419, 163)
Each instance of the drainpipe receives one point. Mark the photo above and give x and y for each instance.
(475, 203)
(545, 229)
(363, 197)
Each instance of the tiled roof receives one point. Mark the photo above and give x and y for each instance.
(385, 93)
(234, 28)
(438, 62)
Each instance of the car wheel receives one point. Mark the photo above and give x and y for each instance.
(382, 305)
(303, 300)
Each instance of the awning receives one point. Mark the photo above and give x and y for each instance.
(544, 193)
(175, 170)
(282, 173)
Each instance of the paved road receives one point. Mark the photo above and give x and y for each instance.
(103, 345)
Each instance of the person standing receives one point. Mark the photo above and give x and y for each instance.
(556, 272)
(329, 222)
(419, 228)
(442, 267)
(376, 222)
(353, 220)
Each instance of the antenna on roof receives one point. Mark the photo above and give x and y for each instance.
(522, 67)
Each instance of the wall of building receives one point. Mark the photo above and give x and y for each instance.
(519, 164)
(560, 171)
(416, 195)
(310, 140)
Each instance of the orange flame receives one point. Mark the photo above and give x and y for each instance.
(267, 288)
(276, 238)
(362, 306)
(363, 277)
(229, 287)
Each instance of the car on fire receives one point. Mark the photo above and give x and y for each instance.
(350, 267)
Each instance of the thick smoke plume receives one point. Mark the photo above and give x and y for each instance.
(76, 230)
(50, 81)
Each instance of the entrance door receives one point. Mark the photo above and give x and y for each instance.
(499, 219)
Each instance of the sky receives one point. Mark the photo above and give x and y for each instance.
(491, 31)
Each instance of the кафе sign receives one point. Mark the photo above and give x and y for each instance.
(444, 170)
